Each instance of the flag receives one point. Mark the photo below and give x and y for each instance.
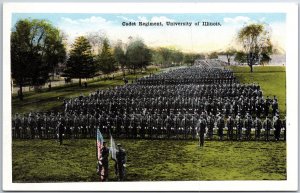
(99, 144)
(113, 148)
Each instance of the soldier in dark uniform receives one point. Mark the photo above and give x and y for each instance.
(220, 125)
(248, 125)
(17, 126)
(202, 130)
(184, 126)
(194, 126)
(277, 127)
(267, 125)
(120, 163)
(274, 106)
(143, 126)
(267, 106)
(168, 124)
(230, 125)
(239, 126)
(126, 125)
(39, 125)
(210, 126)
(60, 131)
(257, 125)
(32, 125)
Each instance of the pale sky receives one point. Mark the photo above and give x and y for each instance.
(185, 38)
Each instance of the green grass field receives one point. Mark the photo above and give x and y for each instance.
(272, 80)
(156, 160)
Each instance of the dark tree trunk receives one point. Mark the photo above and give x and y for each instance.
(228, 59)
(251, 68)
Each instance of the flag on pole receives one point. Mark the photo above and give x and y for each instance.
(113, 148)
(99, 144)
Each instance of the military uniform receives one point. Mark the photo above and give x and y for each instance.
(120, 163)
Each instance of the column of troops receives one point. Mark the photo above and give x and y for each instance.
(174, 105)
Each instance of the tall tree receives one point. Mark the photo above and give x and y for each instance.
(36, 48)
(120, 56)
(105, 61)
(255, 40)
(81, 62)
(240, 57)
(138, 55)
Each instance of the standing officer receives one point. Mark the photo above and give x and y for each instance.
(61, 129)
(120, 163)
(202, 127)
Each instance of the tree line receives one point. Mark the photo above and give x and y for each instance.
(38, 47)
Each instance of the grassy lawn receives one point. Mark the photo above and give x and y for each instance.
(53, 100)
(272, 80)
(150, 160)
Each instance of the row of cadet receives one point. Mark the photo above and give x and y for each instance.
(152, 126)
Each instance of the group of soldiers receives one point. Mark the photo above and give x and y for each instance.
(174, 104)
(120, 163)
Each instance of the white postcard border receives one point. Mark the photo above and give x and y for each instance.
(291, 10)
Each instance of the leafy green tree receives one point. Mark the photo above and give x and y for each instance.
(81, 62)
(177, 57)
(240, 57)
(120, 57)
(189, 58)
(138, 55)
(106, 61)
(36, 49)
(255, 40)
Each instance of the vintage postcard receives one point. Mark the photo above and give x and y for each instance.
(150, 96)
